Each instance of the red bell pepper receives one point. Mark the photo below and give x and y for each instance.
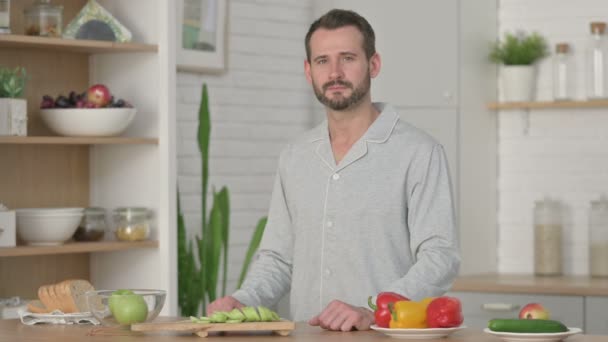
(444, 312)
(382, 313)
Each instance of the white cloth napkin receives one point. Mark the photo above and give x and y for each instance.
(57, 317)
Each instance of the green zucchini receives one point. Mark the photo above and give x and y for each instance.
(527, 326)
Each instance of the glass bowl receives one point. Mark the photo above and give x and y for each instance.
(125, 307)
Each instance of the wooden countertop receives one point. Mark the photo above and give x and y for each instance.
(530, 284)
(14, 330)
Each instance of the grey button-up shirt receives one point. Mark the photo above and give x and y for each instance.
(382, 219)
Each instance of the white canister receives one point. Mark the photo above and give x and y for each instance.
(598, 238)
(13, 117)
(7, 228)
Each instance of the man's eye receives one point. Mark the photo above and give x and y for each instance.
(321, 61)
(348, 58)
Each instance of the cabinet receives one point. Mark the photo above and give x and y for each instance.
(435, 71)
(586, 312)
(136, 169)
(479, 308)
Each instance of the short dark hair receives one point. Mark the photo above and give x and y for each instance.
(337, 18)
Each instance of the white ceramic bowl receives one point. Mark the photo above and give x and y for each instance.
(52, 227)
(91, 122)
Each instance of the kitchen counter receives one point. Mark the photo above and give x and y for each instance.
(530, 284)
(13, 330)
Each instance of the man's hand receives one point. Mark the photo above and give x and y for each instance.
(223, 304)
(341, 316)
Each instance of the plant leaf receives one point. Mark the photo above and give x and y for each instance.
(253, 247)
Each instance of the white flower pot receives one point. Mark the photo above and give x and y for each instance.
(13, 116)
(518, 82)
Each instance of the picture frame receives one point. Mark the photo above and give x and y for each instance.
(201, 35)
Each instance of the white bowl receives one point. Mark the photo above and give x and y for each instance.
(91, 122)
(47, 230)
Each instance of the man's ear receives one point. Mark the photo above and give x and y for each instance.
(375, 64)
(307, 71)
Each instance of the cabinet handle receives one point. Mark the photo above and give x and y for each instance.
(499, 307)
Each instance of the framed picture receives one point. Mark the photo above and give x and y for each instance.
(201, 35)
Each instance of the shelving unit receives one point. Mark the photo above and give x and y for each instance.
(526, 107)
(134, 169)
(75, 247)
(78, 141)
(547, 105)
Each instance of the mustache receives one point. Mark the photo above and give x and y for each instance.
(337, 82)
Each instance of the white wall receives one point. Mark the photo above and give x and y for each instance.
(565, 154)
(260, 103)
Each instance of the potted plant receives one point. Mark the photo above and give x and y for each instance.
(517, 54)
(13, 109)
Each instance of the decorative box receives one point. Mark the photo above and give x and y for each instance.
(13, 117)
(8, 236)
(96, 23)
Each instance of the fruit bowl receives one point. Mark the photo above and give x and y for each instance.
(89, 122)
(125, 307)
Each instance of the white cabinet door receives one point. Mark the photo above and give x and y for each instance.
(596, 320)
(479, 308)
(418, 43)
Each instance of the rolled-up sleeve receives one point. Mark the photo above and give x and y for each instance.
(432, 227)
(269, 276)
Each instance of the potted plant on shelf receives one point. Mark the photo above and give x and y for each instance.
(517, 54)
(13, 109)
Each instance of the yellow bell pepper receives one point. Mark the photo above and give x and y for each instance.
(408, 314)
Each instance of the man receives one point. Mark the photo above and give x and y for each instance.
(361, 204)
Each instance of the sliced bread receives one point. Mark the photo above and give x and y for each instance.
(76, 290)
(36, 306)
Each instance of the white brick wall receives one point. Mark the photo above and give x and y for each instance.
(564, 155)
(261, 102)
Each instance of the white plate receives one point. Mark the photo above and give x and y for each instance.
(428, 333)
(533, 337)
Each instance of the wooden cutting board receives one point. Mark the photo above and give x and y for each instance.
(282, 328)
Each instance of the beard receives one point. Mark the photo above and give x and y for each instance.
(340, 102)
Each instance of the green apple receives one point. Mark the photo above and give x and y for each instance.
(128, 307)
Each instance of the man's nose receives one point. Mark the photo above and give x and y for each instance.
(336, 71)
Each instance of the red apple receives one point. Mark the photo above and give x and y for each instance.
(99, 95)
(534, 311)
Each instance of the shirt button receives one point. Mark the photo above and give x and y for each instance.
(327, 272)
(330, 224)
(335, 176)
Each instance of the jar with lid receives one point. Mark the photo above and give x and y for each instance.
(598, 238)
(595, 61)
(562, 73)
(131, 223)
(547, 238)
(93, 225)
(5, 16)
(44, 19)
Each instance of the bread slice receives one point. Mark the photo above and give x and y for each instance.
(76, 290)
(36, 306)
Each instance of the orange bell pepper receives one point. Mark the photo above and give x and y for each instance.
(408, 314)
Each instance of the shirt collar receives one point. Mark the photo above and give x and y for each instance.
(378, 132)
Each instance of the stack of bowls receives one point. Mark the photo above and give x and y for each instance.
(47, 226)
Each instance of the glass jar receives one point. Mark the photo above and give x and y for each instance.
(131, 224)
(93, 225)
(598, 238)
(44, 19)
(547, 238)
(596, 73)
(5, 16)
(562, 73)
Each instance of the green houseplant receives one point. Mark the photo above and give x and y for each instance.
(13, 108)
(199, 264)
(517, 54)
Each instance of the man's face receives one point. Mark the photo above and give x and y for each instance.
(339, 71)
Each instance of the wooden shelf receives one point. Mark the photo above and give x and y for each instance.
(75, 247)
(72, 45)
(548, 104)
(77, 141)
